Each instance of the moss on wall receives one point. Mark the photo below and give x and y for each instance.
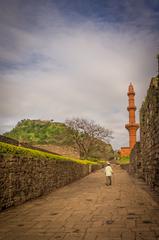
(26, 174)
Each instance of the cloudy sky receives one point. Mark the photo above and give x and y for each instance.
(75, 58)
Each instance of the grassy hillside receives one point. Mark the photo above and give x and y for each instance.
(41, 132)
(37, 132)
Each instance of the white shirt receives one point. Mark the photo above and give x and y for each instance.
(108, 171)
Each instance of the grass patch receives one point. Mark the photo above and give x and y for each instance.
(96, 160)
(124, 160)
(11, 150)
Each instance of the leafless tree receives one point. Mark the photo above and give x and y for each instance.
(86, 133)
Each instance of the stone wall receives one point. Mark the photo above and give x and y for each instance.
(149, 138)
(8, 140)
(38, 147)
(26, 145)
(67, 151)
(149, 134)
(135, 166)
(25, 178)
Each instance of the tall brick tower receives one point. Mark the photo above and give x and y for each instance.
(132, 126)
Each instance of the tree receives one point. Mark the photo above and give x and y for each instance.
(87, 133)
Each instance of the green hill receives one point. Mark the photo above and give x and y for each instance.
(41, 132)
(37, 132)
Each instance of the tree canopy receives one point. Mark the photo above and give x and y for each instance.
(86, 133)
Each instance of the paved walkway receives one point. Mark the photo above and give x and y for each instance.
(86, 210)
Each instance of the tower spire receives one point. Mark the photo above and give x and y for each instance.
(132, 126)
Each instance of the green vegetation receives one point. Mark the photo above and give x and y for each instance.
(49, 132)
(11, 150)
(89, 137)
(41, 132)
(101, 151)
(123, 160)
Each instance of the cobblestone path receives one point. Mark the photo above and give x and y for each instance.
(86, 210)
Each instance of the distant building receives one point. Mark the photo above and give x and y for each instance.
(132, 126)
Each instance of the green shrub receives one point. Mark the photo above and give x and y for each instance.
(123, 160)
(11, 150)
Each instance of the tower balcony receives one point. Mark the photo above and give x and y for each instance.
(131, 93)
(129, 126)
(131, 108)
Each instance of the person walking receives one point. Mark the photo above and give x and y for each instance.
(108, 174)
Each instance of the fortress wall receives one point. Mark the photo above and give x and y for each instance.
(67, 151)
(135, 166)
(23, 178)
(149, 138)
(8, 140)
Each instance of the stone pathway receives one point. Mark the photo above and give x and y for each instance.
(86, 210)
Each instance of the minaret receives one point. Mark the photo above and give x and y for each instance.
(132, 126)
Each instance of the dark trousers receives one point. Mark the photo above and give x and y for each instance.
(108, 180)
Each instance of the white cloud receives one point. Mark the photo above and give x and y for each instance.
(76, 69)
